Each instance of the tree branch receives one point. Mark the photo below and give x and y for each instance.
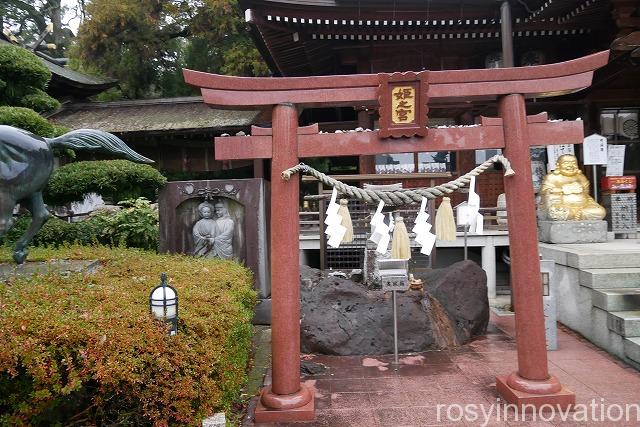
(185, 32)
(33, 13)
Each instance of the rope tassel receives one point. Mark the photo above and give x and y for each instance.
(400, 248)
(445, 223)
(343, 211)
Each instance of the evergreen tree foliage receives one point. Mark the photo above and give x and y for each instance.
(146, 43)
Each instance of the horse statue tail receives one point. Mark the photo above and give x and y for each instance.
(91, 139)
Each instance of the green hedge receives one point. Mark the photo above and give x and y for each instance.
(29, 120)
(85, 351)
(115, 180)
(135, 226)
(23, 78)
(56, 232)
(39, 100)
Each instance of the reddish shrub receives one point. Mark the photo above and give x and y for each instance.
(85, 350)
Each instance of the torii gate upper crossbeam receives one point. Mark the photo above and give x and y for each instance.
(361, 89)
(287, 399)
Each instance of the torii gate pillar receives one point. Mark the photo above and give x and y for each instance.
(532, 383)
(286, 398)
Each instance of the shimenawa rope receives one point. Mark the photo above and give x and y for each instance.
(401, 197)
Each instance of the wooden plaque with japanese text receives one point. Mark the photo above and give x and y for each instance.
(403, 104)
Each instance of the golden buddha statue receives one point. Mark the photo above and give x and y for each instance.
(565, 194)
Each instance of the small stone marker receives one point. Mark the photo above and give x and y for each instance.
(216, 420)
(547, 269)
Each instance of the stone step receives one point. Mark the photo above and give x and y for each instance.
(624, 323)
(632, 349)
(599, 278)
(621, 253)
(621, 299)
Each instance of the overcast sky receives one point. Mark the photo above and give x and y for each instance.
(74, 23)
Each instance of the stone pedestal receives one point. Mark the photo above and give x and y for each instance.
(621, 213)
(370, 271)
(572, 231)
(559, 397)
(64, 267)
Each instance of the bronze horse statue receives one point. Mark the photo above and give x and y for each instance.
(26, 163)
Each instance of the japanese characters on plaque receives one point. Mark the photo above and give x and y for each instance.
(403, 104)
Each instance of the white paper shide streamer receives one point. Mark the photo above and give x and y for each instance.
(422, 229)
(335, 231)
(468, 212)
(380, 231)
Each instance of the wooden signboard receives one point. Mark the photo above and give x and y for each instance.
(403, 104)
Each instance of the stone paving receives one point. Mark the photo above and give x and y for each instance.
(368, 391)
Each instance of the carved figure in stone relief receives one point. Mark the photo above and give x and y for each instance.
(223, 242)
(204, 231)
(213, 233)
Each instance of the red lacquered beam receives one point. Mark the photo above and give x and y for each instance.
(362, 143)
(252, 84)
(368, 143)
(243, 147)
(368, 96)
(554, 133)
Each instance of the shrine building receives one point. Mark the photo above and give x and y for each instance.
(304, 38)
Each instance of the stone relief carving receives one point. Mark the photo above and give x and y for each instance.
(209, 193)
(213, 232)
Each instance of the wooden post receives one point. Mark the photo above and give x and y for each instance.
(286, 399)
(532, 383)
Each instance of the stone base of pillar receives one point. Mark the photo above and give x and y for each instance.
(293, 407)
(562, 399)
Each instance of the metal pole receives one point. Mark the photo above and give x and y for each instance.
(395, 330)
(466, 227)
(431, 208)
(595, 183)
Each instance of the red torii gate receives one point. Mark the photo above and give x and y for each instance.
(287, 399)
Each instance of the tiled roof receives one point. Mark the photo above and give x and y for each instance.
(64, 72)
(153, 115)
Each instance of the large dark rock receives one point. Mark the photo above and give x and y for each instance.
(343, 317)
(461, 289)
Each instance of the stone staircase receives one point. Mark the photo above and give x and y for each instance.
(622, 304)
(604, 304)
